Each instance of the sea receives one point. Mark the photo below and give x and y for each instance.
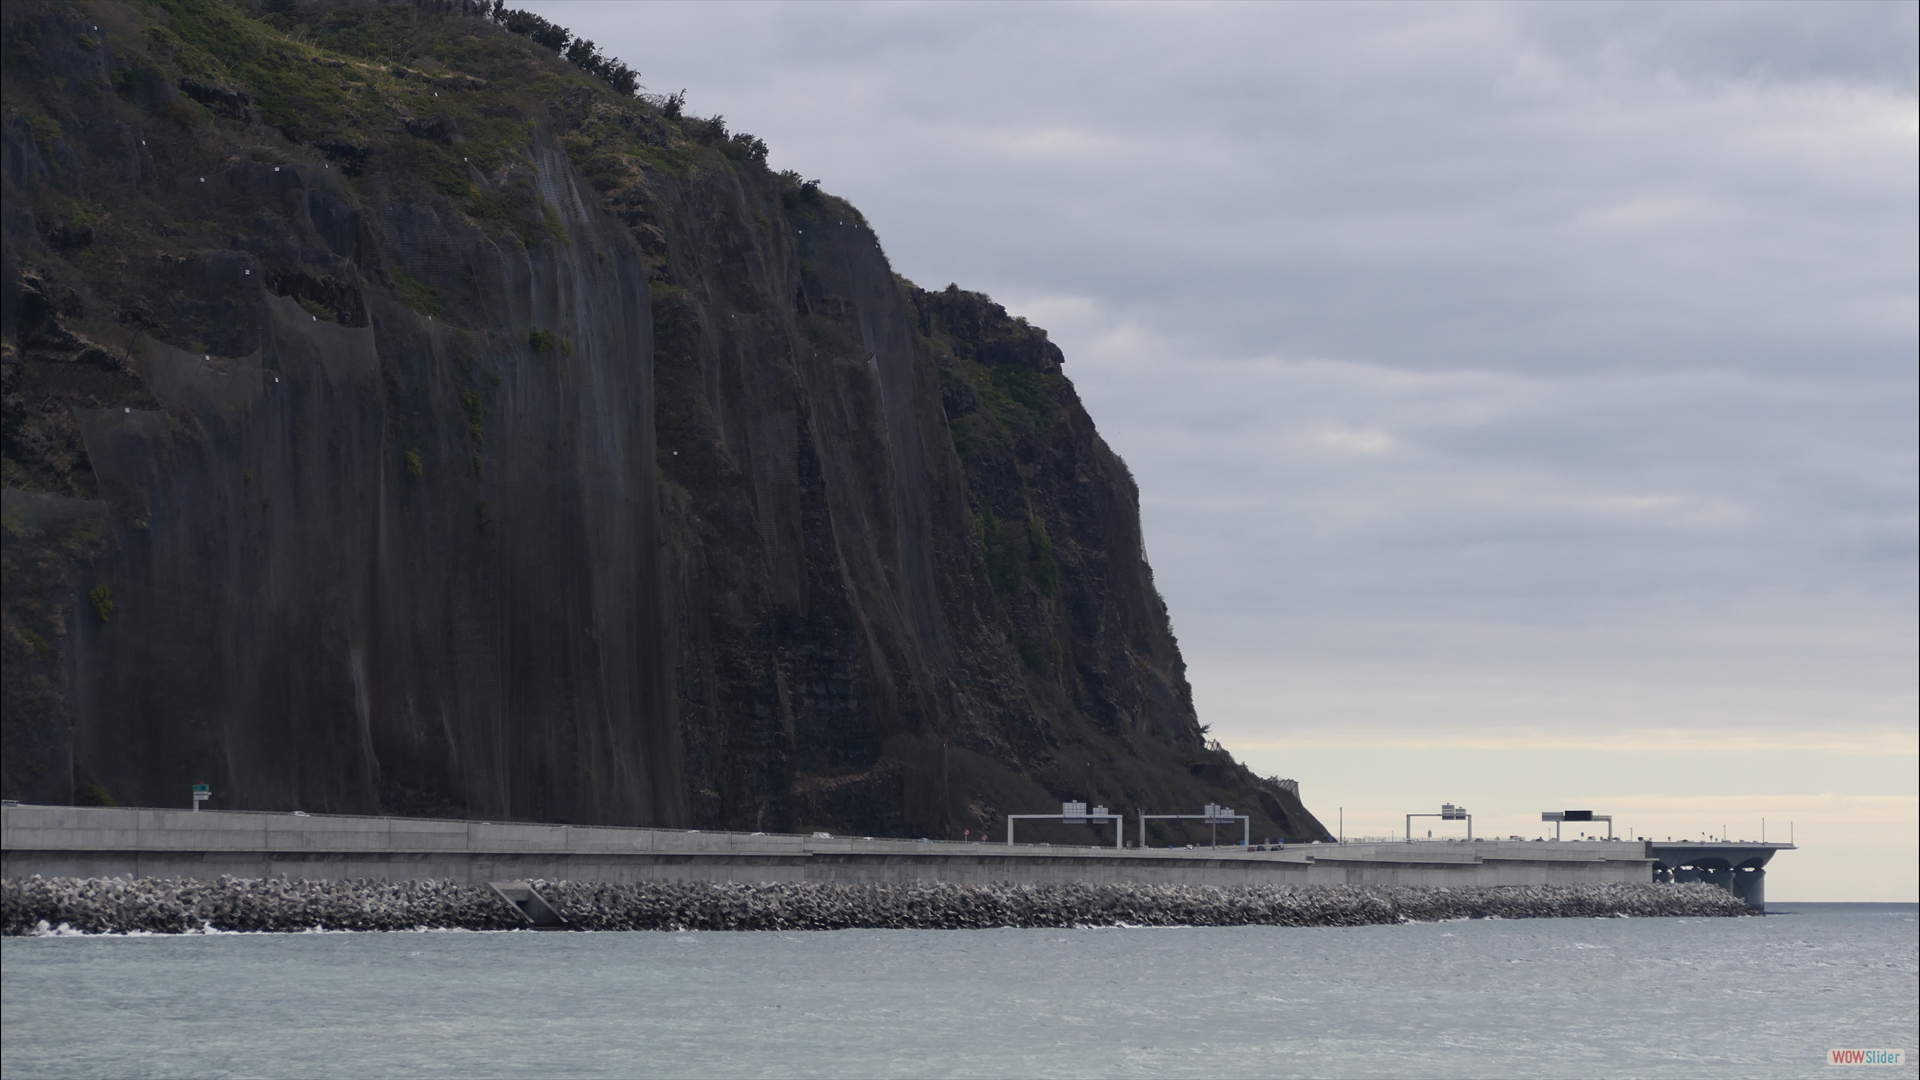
(1753, 997)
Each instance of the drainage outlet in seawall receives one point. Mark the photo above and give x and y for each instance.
(524, 899)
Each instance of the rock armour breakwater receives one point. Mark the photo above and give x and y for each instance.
(113, 905)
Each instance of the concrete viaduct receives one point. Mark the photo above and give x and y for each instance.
(1738, 866)
(66, 841)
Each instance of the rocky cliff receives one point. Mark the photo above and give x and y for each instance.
(402, 418)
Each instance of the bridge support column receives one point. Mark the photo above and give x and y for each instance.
(1738, 866)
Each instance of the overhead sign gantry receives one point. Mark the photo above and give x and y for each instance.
(1076, 813)
(1448, 812)
(1558, 817)
(1212, 814)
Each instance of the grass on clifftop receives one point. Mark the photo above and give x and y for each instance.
(412, 96)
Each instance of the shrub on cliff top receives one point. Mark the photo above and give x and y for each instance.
(577, 51)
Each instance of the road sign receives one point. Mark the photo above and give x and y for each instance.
(1559, 816)
(1448, 812)
(1213, 814)
(1075, 813)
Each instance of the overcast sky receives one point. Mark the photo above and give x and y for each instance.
(1533, 380)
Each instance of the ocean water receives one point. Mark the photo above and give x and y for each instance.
(1530, 998)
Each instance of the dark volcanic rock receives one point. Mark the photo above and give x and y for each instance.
(393, 438)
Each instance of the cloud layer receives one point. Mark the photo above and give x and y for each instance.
(1488, 370)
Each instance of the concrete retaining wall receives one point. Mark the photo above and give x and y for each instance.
(88, 842)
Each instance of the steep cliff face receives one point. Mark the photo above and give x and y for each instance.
(398, 419)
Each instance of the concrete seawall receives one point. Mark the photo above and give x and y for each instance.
(90, 842)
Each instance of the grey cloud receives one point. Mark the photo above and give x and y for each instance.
(1491, 342)
(1722, 39)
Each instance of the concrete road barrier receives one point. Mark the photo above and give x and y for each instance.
(92, 842)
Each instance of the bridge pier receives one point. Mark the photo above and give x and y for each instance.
(1736, 866)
